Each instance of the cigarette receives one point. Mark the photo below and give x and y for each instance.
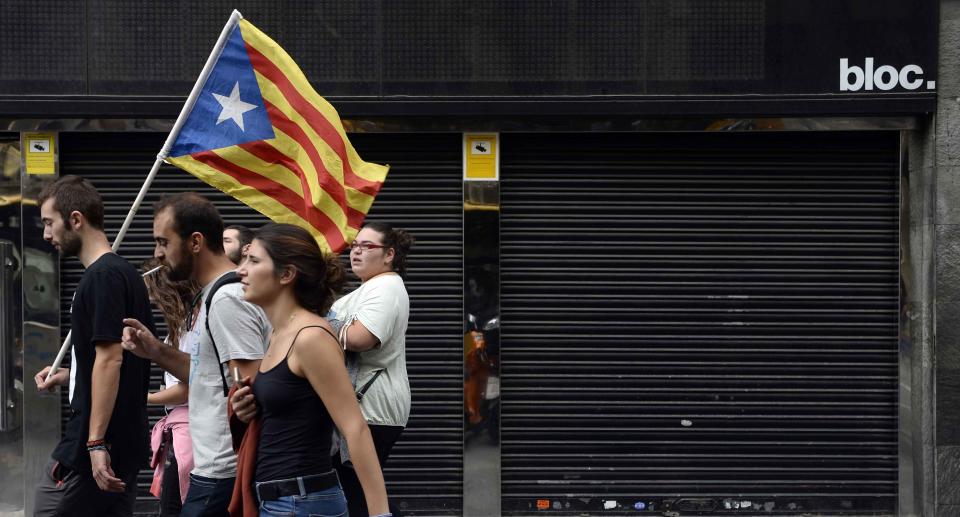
(154, 270)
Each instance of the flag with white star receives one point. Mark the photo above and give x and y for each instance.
(260, 133)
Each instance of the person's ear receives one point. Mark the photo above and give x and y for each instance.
(288, 275)
(75, 221)
(196, 242)
(388, 255)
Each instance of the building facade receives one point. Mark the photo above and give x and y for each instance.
(676, 256)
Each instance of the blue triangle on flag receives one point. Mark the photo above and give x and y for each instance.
(230, 98)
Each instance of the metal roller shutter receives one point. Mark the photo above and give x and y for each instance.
(700, 323)
(423, 193)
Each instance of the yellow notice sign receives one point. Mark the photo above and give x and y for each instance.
(39, 153)
(481, 159)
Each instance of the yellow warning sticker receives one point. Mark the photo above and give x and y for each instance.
(39, 153)
(481, 160)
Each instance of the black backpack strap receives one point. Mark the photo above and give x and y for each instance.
(228, 278)
(363, 391)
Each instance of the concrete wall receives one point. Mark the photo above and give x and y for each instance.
(917, 325)
(938, 174)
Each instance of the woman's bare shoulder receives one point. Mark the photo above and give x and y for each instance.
(318, 329)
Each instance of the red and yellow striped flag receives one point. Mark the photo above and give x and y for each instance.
(260, 133)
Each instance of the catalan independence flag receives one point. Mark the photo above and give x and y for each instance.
(259, 132)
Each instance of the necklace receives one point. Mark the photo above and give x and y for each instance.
(287, 324)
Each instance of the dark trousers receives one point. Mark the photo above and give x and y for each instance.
(63, 492)
(384, 437)
(207, 497)
(170, 501)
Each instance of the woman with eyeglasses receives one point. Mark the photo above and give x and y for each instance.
(302, 389)
(374, 326)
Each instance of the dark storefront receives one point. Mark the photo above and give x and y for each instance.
(687, 273)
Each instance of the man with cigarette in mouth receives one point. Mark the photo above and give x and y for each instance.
(188, 231)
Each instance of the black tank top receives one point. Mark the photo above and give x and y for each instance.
(297, 429)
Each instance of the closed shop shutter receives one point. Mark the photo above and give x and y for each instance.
(423, 193)
(700, 323)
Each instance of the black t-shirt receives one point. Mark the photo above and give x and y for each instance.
(110, 290)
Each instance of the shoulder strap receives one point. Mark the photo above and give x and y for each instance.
(363, 391)
(228, 278)
(309, 327)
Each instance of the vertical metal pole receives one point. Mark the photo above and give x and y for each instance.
(915, 330)
(9, 401)
(481, 351)
(40, 273)
(905, 359)
(11, 353)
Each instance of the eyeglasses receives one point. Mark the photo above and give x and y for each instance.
(364, 246)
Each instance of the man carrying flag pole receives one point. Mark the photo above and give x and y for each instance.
(254, 128)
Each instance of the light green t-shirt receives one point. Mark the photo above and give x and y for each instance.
(381, 304)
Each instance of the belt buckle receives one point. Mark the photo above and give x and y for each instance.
(274, 490)
(267, 491)
(300, 485)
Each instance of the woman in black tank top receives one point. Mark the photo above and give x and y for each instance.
(302, 389)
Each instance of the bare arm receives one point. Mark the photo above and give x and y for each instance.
(172, 396)
(174, 361)
(377, 307)
(244, 404)
(138, 339)
(104, 384)
(248, 367)
(359, 339)
(317, 356)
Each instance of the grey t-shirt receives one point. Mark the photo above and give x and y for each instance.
(241, 331)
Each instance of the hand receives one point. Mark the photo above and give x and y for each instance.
(60, 378)
(103, 474)
(138, 339)
(244, 405)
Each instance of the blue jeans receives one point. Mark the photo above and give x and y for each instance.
(323, 503)
(207, 497)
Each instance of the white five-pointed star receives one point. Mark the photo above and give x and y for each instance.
(232, 107)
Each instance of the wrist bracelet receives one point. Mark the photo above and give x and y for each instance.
(388, 514)
(101, 447)
(94, 443)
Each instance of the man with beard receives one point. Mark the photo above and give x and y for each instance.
(236, 237)
(188, 232)
(93, 471)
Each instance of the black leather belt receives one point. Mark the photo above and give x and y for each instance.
(274, 490)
